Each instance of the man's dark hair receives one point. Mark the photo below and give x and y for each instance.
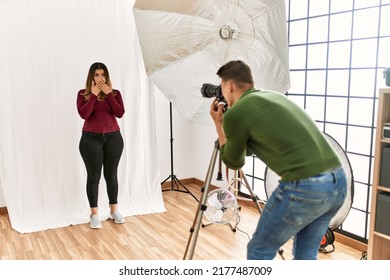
(237, 71)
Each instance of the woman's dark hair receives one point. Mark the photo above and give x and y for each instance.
(90, 78)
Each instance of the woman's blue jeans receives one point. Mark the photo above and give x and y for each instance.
(300, 209)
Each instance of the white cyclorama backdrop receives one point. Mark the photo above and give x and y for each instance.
(46, 49)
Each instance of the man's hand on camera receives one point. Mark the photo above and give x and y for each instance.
(216, 112)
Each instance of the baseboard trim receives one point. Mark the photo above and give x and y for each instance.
(350, 242)
(166, 185)
(3, 210)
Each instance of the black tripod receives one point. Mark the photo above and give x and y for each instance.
(194, 231)
(174, 181)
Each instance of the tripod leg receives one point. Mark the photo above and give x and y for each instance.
(165, 180)
(194, 231)
(252, 194)
(186, 190)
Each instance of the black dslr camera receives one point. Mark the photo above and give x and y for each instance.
(209, 90)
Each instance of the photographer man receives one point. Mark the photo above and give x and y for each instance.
(312, 186)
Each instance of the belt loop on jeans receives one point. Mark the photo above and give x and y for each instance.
(334, 173)
(334, 177)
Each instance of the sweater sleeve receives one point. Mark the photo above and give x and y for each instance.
(116, 104)
(85, 108)
(234, 151)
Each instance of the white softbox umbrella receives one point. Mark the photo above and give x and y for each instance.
(184, 42)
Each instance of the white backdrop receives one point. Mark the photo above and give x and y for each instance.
(46, 48)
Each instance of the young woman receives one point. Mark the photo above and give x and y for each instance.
(101, 142)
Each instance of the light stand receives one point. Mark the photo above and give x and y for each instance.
(174, 181)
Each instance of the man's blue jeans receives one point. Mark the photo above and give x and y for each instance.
(300, 209)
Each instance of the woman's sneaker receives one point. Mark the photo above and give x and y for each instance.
(119, 219)
(94, 221)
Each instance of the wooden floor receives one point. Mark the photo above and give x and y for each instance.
(162, 236)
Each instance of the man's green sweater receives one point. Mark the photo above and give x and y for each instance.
(281, 134)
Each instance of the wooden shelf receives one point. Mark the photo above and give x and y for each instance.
(385, 141)
(381, 235)
(385, 189)
(379, 243)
